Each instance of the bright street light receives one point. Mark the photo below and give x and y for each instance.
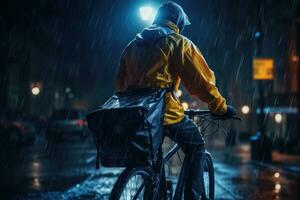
(277, 175)
(278, 118)
(147, 13)
(35, 91)
(277, 188)
(245, 109)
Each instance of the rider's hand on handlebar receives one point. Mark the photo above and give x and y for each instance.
(231, 111)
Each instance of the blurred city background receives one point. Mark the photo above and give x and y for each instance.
(59, 58)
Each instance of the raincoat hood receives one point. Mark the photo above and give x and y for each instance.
(170, 11)
(153, 33)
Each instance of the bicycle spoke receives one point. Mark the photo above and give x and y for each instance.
(134, 189)
(139, 191)
(206, 183)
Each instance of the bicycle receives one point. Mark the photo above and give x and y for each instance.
(150, 182)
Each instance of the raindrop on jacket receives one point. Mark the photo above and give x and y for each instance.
(160, 57)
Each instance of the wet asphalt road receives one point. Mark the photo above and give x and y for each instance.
(66, 170)
(45, 167)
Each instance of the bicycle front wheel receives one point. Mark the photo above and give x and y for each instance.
(133, 184)
(209, 177)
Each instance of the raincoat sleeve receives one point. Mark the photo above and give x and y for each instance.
(121, 74)
(199, 79)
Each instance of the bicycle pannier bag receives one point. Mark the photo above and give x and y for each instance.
(128, 128)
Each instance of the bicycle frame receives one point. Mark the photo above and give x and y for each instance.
(182, 175)
(184, 168)
(181, 179)
(183, 171)
(171, 152)
(158, 167)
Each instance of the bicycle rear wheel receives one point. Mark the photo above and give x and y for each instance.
(133, 184)
(209, 177)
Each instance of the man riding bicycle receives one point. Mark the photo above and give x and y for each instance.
(160, 56)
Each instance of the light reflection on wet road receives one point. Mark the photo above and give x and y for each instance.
(66, 171)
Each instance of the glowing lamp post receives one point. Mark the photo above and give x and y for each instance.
(278, 118)
(35, 91)
(245, 109)
(147, 13)
(36, 88)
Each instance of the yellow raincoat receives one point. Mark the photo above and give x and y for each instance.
(171, 60)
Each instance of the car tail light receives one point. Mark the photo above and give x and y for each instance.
(80, 122)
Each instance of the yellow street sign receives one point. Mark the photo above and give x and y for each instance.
(263, 69)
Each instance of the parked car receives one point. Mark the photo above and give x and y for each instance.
(66, 123)
(16, 128)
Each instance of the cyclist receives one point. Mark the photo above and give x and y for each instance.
(160, 56)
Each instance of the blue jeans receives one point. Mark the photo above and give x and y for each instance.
(187, 135)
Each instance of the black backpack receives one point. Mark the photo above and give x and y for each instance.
(128, 128)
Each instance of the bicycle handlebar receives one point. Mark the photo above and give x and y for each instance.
(203, 113)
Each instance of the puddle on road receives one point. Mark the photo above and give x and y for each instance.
(253, 182)
(96, 187)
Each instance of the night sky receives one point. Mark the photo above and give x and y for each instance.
(78, 43)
